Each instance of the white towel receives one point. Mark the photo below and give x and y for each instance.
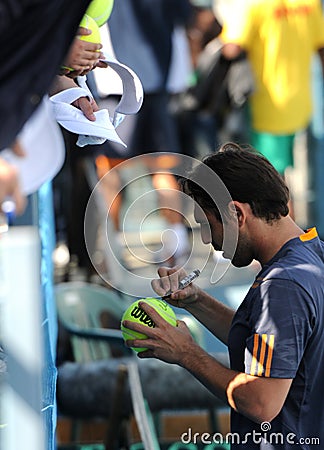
(74, 120)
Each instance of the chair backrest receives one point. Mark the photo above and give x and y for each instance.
(85, 308)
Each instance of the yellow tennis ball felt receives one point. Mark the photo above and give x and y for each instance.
(134, 313)
(100, 10)
(89, 23)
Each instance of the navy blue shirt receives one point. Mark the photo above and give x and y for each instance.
(278, 331)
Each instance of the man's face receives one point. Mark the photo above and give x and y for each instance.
(211, 230)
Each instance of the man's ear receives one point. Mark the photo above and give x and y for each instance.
(239, 210)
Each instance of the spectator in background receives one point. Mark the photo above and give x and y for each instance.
(212, 109)
(202, 28)
(280, 38)
(198, 126)
(148, 49)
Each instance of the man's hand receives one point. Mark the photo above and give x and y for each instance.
(9, 186)
(87, 106)
(169, 282)
(83, 56)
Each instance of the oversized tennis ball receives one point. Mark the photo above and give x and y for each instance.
(135, 314)
(88, 22)
(100, 10)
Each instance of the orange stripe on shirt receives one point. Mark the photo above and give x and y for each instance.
(270, 354)
(255, 354)
(262, 353)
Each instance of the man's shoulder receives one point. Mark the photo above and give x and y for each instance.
(299, 267)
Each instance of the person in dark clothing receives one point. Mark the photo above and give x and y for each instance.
(274, 385)
(35, 35)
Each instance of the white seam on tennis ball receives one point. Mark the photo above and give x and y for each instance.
(127, 331)
(158, 307)
(99, 18)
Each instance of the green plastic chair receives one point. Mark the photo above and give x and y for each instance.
(91, 314)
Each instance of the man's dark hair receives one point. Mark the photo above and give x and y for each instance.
(249, 178)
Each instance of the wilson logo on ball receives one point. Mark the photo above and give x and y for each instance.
(141, 315)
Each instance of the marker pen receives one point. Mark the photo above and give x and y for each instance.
(185, 281)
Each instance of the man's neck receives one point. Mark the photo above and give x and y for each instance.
(269, 238)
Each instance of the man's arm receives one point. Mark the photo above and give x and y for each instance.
(258, 398)
(213, 314)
